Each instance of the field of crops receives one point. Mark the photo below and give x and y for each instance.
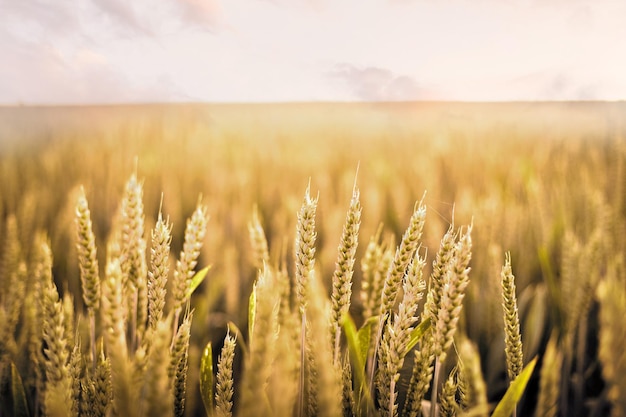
(364, 259)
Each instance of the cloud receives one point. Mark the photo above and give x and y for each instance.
(376, 84)
(558, 84)
(41, 73)
(105, 19)
(123, 16)
(204, 13)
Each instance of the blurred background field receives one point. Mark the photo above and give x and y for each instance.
(543, 181)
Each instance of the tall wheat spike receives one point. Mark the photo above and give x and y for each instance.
(398, 333)
(133, 260)
(512, 335)
(404, 253)
(304, 270)
(97, 391)
(76, 368)
(159, 272)
(456, 280)
(58, 393)
(447, 399)
(125, 392)
(370, 266)
(305, 248)
(258, 241)
(421, 377)
(195, 231)
(88, 263)
(224, 386)
(344, 269)
(179, 357)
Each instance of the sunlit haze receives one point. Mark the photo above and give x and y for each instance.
(117, 51)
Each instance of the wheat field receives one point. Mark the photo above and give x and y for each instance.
(390, 259)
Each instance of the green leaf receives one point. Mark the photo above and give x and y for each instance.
(20, 405)
(417, 334)
(512, 395)
(354, 346)
(206, 379)
(364, 336)
(197, 280)
(358, 344)
(239, 335)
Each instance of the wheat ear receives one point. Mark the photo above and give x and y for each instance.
(258, 241)
(224, 386)
(160, 266)
(194, 237)
(58, 400)
(305, 248)
(448, 406)
(133, 260)
(344, 269)
(398, 333)
(179, 361)
(305, 261)
(455, 282)
(97, 390)
(88, 263)
(370, 265)
(512, 335)
(404, 253)
(76, 367)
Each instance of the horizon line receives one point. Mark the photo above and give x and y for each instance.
(298, 102)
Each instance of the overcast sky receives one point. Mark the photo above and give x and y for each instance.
(110, 51)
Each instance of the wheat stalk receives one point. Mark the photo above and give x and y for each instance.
(344, 269)
(88, 263)
(398, 333)
(133, 259)
(57, 397)
(455, 281)
(305, 248)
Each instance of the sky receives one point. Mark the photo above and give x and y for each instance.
(120, 51)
